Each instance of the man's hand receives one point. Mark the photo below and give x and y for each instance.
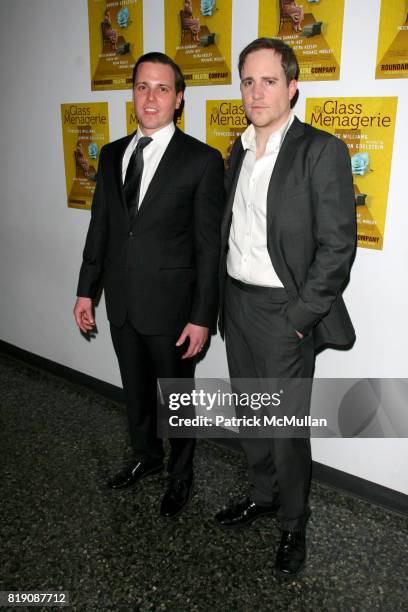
(83, 313)
(198, 336)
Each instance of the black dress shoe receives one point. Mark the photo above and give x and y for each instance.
(133, 473)
(176, 497)
(291, 555)
(243, 512)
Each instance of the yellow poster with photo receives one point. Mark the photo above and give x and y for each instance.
(392, 52)
(85, 129)
(198, 38)
(367, 126)
(131, 121)
(313, 28)
(225, 121)
(115, 42)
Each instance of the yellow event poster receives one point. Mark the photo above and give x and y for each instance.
(367, 126)
(115, 41)
(313, 28)
(198, 37)
(131, 121)
(225, 121)
(85, 129)
(392, 52)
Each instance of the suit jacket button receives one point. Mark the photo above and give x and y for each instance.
(130, 234)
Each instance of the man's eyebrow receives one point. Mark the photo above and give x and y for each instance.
(265, 78)
(148, 83)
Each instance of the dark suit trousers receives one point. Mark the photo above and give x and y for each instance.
(261, 343)
(143, 359)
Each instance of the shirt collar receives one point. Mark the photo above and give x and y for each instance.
(162, 137)
(275, 140)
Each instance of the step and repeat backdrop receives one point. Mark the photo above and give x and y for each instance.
(198, 36)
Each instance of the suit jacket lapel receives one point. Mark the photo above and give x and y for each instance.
(163, 171)
(283, 166)
(235, 169)
(118, 169)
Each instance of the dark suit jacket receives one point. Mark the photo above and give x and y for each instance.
(311, 229)
(161, 267)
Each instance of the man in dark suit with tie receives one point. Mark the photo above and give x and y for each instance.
(287, 242)
(153, 243)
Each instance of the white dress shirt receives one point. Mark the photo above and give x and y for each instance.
(152, 155)
(248, 259)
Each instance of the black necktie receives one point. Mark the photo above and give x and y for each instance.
(133, 176)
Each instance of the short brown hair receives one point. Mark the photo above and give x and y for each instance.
(288, 58)
(161, 58)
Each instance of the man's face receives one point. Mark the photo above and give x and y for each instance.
(154, 96)
(265, 92)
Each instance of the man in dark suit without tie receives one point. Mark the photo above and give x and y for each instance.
(287, 242)
(153, 242)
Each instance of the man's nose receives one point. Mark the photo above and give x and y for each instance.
(257, 91)
(151, 93)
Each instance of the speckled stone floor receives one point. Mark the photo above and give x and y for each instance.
(62, 529)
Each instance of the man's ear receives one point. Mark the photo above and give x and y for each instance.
(179, 99)
(292, 89)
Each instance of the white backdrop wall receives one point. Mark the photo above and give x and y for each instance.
(44, 62)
